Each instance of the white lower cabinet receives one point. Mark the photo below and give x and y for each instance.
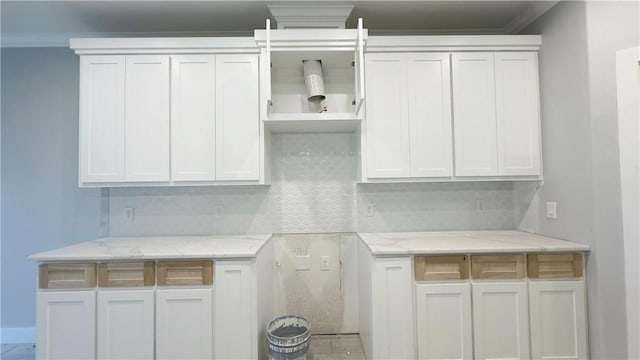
(66, 324)
(184, 323)
(443, 321)
(392, 305)
(235, 312)
(125, 324)
(500, 320)
(558, 320)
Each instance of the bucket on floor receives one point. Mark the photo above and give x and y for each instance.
(288, 338)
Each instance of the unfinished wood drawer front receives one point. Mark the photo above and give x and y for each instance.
(185, 272)
(497, 267)
(119, 274)
(67, 276)
(441, 267)
(550, 266)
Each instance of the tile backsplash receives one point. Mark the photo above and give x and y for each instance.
(313, 191)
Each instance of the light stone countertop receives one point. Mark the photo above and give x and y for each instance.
(158, 248)
(464, 242)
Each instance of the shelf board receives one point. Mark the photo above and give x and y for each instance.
(312, 122)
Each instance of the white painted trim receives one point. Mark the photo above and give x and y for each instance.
(18, 335)
(62, 39)
(454, 43)
(156, 45)
(628, 99)
(308, 16)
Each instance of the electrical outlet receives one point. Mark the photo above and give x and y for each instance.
(219, 211)
(129, 213)
(370, 210)
(552, 210)
(324, 263)
(480, 205)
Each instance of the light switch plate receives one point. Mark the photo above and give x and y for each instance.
(552, 210)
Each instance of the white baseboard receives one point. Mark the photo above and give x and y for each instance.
(18, 335)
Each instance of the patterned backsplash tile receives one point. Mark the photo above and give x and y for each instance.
(313, 191)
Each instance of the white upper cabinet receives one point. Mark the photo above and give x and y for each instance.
(429, 110)
(237, 118)
(496, 114)
(474, 112)
(193, 117)
(408, 124)
(284, 99)
(517, 113)
(147, 118)
(102, 121)
(387, 124)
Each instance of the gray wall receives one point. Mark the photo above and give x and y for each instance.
(581, 160)
(42, 207)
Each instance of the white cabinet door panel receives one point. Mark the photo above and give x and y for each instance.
(517, 113)
(392, 304)
(558, 319)
(429, 102)
(147, 118)
(193, 117)
(443, 316)
(125, 324)
(500, 320)
(236, 316)
(237, 118)
(184, 324)
(102, 121)
(387, 125)
(66, 325)
(474, 112)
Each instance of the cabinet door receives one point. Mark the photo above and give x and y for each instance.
(125, 324)
(429, 111)
(237, 118)
(500, 320)
(443, 316)
(193, 117)
(558, 320)
(517, 113)
(387, 124)
(102, 84)
(474, 112)
(184, 324)
(392, 303)
(359, 69)
(147, 118)
(235, 312)
(66, 325)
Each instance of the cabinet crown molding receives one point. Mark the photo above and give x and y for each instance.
(454, 43)
(169, 45)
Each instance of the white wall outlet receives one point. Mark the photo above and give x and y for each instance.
(552, 210)
(370, 210)
(303, 262)
(129, 213)
(324, 263)
(219, 210)
(480, 205)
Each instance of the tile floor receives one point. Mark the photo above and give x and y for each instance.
(322, 347)
(335, 347)
(18, 352)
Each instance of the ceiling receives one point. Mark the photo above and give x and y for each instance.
(52, 23)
